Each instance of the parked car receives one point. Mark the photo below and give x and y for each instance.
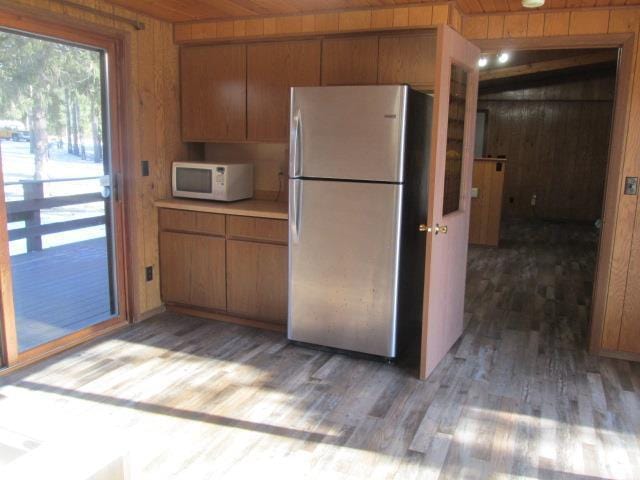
(22, 136)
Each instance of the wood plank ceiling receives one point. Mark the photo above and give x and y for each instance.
(193, 10)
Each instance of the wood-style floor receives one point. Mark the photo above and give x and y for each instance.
(517, 397)
(60, 290)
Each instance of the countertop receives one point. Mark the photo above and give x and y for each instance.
(245, 208)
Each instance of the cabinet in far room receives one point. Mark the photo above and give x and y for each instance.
(486, 201)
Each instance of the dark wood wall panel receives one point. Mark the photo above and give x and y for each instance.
(556, 139)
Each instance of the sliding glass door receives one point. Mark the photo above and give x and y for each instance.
(58, 190)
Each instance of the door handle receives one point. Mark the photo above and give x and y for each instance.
(435, 230)
(296, 206)
(107, 186)
(296, 145)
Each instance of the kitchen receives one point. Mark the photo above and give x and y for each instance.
(211, 339)
(256, 273)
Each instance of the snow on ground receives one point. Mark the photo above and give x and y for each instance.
(18, 164)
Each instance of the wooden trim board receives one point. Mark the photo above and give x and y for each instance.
(339, 21)
(8, 335)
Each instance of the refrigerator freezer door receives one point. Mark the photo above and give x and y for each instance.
(343, 264)
(354, 133)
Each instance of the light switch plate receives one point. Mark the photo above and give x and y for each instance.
(474, 192)
(631, 186)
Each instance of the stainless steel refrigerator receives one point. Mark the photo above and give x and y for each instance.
(358, 178)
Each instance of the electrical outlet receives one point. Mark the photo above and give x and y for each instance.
(148, 273)
(534, 198)
(631, 186)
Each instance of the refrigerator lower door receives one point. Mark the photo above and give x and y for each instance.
(344, 241)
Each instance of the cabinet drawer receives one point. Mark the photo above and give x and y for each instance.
(195, 222)
(252, 228)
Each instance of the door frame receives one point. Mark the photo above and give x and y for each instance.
(115, 43)
(615, 164)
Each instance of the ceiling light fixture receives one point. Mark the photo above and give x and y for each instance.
(532, 3)
(482, 62)
(503, 57)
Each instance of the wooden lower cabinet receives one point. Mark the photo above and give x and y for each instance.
(193, 270)
(225, 267)
(257, 280)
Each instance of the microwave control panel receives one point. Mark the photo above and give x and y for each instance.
(219, 177)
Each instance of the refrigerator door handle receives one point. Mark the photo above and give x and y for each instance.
(296, 205)
(296, 145)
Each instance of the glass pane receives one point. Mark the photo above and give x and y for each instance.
(55, 169)
(455, 138)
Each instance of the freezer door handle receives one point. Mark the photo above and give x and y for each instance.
(296, 206)
(296, 145)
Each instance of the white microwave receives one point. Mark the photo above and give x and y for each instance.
(226, 182)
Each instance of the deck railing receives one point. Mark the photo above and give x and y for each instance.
(29, 211)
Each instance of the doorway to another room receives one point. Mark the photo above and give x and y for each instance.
(542, 150)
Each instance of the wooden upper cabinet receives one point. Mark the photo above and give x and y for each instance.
(408, 59)
(272, 69)
(213, 93)
(350, 61)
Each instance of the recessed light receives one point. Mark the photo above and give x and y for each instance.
(482, 62)
(503, 57)
(532, 3)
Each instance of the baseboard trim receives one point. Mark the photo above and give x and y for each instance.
(150, 314)
(628, 356)
(223, 317)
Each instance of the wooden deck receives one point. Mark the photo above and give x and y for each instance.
(60, 290)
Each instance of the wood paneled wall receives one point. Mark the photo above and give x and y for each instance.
(556, 137)
(155, 135)
(621, 330)
(400, 18)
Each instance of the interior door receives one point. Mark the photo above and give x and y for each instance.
(447, 227)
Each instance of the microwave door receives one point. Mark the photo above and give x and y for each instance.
(192, 182)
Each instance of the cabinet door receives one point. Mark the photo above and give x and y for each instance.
(257, 280)
(350, 61)
(272, 69)
(408, 59)
(193, 270)
(213, 85)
